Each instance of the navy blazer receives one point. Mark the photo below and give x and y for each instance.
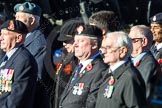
(23, 80)
(91, 81)
(128, 92)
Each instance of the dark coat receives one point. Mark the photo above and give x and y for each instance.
(64, 73)
(128, 92)
(23, 80)
(150, 70)
(91, 82)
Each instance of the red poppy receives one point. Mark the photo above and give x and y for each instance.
(89, 67)
(58, 66)
(111, 81)
(160, 61)
(137, 64)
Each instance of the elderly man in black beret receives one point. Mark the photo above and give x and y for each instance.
(68, 61)
(35, 42)
(18, 68)
(81, 91)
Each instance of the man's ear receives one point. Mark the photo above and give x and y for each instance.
(19, 38)
(144, 41)
(123, 52)
(32, 20)
(94, 44)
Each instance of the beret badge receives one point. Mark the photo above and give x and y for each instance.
(80, 28)
(154, 18)
(11, 25)
(21, 8)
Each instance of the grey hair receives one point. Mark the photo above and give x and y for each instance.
(122, 39)
(144, 32)
(37, 19)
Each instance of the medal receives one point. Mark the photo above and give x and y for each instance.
(106, 91)
(80, 90)
(110, 91)
(75, 89)
(109, 88)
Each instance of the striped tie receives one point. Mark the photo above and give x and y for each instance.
(3, 61)
(79, 67)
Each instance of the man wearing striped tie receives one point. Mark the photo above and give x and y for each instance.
(81, 91)
(18, 75)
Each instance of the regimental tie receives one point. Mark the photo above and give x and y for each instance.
(3, 61)
(154, 50)
(76, 74)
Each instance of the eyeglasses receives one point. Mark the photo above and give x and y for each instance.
(108, 48)
(134, 40)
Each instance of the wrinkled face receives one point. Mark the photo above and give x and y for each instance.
(110, 51)
(23, 17)
(8, 40)
(157, 32)
(136, 42)
(69, 46)
(82, 46)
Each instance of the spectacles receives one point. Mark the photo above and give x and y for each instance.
(134, 40)
(108, 48)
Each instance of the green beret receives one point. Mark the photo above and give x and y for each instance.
(28, 7)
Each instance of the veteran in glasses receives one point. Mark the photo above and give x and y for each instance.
(123, 86)
(142, 57)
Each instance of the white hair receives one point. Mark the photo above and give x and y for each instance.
(37, 19)
(122, 39)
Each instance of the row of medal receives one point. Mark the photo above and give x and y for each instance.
(78, 88)
(109, 88)
(6, 80)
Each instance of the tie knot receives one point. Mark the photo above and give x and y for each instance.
(80, 65)
(5, 58)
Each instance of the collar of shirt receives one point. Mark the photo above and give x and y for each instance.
(86, 62)
(30, 33)
(112, 68)
(10, 53)
(159, 46)
(138, 58)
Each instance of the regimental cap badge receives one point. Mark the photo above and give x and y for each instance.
(21, 8)
(11, 25)
(79, 29)
(154, 18)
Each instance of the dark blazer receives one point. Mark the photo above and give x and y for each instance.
(150, 70)
(23, 80)
(91, 81)
(68, 64)
(129, 89)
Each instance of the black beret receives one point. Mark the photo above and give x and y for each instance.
(28, 7)
(91, 31)
(15, 26)
(157, 18)
(69, 29)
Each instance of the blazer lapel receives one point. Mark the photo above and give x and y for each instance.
(71, 85)
(10, 61)
(68, 86)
